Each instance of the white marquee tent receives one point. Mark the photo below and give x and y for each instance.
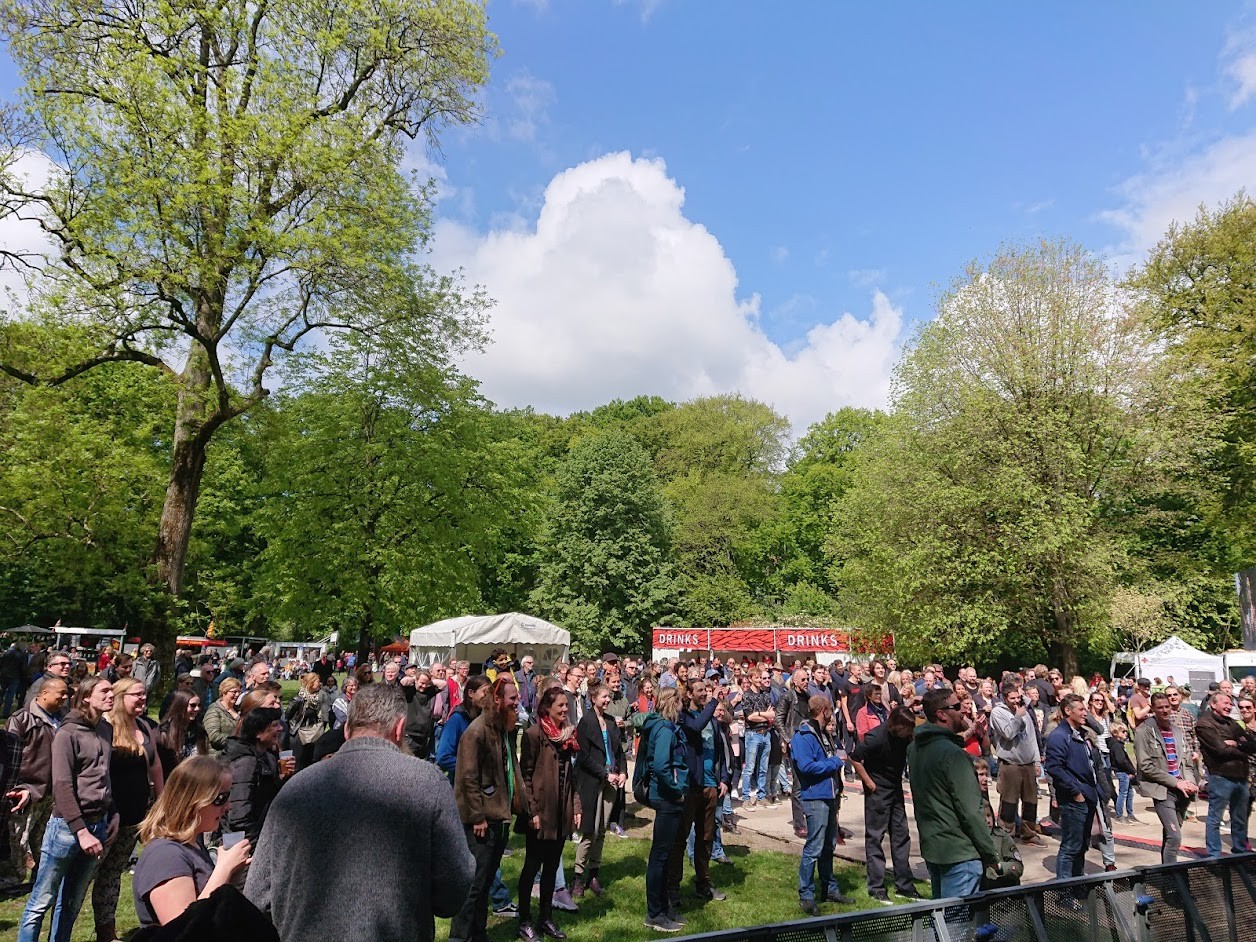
(1177, 659)
(474, 637)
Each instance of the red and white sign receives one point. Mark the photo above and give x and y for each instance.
(811, 639)
(760, 639)
(682, 639)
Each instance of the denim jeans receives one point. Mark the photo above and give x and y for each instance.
(9, 694)
(821, 816)
(758, 750)
(957, 879)
(62, 879)
(499, 892)
(1124, 795)
(667, 820)
(1226, 793)
(717, 842)
(1075, 821)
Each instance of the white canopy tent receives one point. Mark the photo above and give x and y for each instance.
(474, 637)
(1177, 659)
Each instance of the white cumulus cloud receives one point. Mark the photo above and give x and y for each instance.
(1240, 67)
(615, 293)
(1174, 191)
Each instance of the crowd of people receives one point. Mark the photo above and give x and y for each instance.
(229, 795)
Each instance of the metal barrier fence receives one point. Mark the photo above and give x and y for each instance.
(1210, 900)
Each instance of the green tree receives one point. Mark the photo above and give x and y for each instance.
(719, 458)
(225, 179)
(606, 572)
(80, 491)
(1198, 292)
(799, 545)
(386, 488)
(984, 521)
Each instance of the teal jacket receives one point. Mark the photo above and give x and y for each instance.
(669, 770)
(947, 799)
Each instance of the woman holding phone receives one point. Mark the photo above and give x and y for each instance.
(601, 772)
(175, 869)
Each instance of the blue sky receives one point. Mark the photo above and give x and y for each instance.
(832, 151)
(682, 198)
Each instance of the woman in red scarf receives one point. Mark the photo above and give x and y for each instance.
(547, 765)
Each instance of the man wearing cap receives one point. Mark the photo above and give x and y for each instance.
(1140, 703)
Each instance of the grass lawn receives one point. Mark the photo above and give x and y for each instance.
(762, 887)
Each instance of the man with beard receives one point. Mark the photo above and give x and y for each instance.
(792, 711)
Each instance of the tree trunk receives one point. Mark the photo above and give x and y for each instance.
(1064, 643)
(187, 466)
(364, 637)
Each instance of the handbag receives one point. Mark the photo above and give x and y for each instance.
(307, 734)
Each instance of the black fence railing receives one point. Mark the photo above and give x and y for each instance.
(1211, 900)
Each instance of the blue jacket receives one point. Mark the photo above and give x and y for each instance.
(691, 725)
(447, 748)
(669, 771)
(1070, 760)
(816, 762)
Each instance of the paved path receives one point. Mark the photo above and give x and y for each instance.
(1138, 845)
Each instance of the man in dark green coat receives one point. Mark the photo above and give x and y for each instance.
(954, 839)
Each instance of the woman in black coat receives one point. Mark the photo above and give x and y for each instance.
(601, 771)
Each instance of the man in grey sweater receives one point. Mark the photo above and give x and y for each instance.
(1015, 740)
(409, 861)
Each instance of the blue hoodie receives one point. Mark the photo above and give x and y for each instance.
(817, 763)
(669, 770)
(447, 748)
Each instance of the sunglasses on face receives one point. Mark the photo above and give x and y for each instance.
(221, 799)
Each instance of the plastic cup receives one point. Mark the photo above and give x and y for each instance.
(231, 838)
(286, 754)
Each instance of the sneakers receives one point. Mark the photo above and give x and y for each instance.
(750, 804)
(711, 893)
(808, 906)
(617, 830)
(839, 897)
(908, 894)
(882, 898)
(595, 886)
(722, 860)
(509, 909)
(1130, 819)
(563, 901)
(662, 924)
(736, 793)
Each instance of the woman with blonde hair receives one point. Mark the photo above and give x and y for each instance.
(305, 719)
(222, 717)
(134, 770)
(175, 869)
(669, 786)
